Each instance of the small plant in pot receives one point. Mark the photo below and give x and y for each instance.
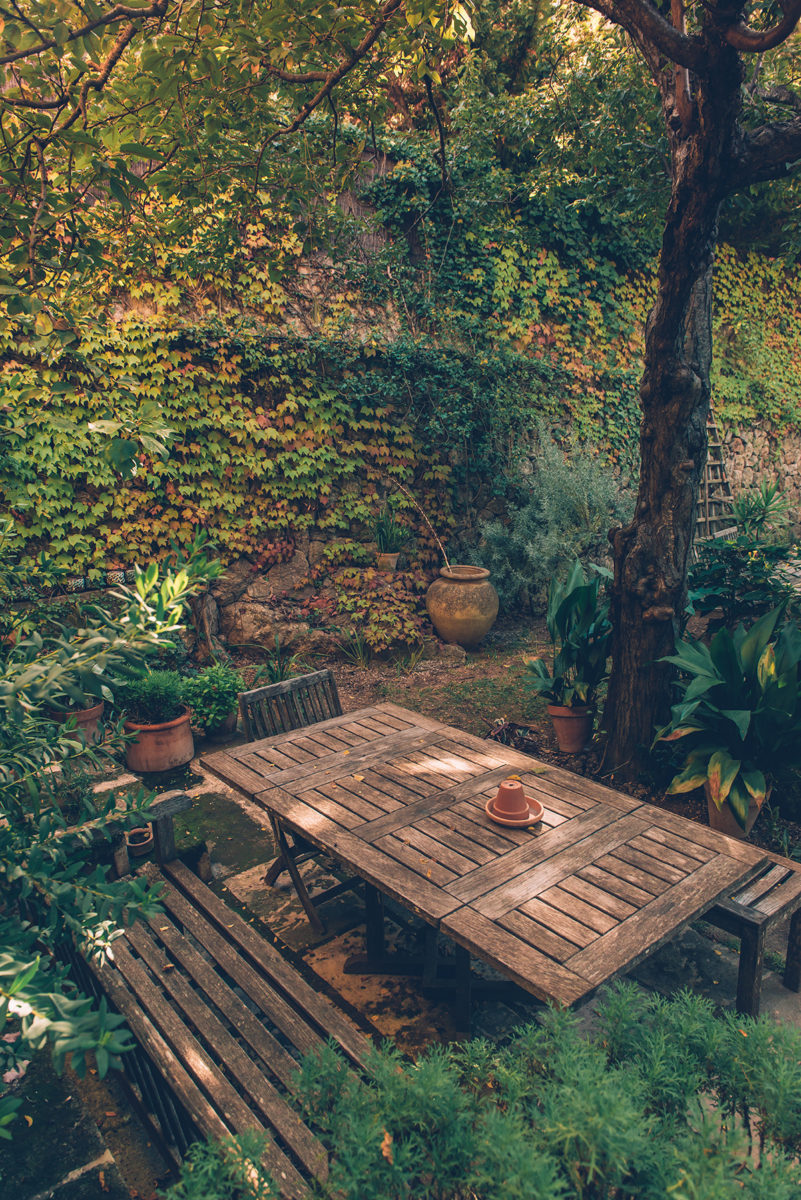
(581, 633)
(739, 717)
(155, 712)
(390, 537)
(212, 696)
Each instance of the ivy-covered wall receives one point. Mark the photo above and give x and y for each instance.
(275, 434)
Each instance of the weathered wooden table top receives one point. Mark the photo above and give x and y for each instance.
(560, 907)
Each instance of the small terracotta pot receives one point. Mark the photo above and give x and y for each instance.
(387, 562)
(724, 820)
(160, 747)
(462, 604)
(572, 726)
(139, 840)
(87, 720)
(510, 800)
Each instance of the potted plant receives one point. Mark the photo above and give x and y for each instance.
(739, 717)
(390, 537)
(156, 713)
(580, 631)
(212, 696)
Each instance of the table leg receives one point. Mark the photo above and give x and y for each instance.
(375, 935)
(464, 990)
(749, 979)
(377, 961)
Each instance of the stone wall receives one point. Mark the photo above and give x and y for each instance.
(759, 452)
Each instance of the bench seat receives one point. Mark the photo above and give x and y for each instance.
(775, 893)
(223, 1019)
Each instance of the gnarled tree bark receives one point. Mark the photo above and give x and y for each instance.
(711, 157)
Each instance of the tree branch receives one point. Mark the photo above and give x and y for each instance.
(118, 13)
(332, 78)
(742, 37)
(769, 152)
(642, 20)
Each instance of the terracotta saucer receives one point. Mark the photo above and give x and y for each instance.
(535, 814)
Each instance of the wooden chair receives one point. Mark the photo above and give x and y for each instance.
(280, 708)
(290, 704)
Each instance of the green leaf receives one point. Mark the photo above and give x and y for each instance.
(741, 717)
(693, 776)
(755, 783)
(721, 773)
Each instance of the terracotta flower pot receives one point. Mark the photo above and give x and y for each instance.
(724, 820)
(572, 726)
(139, 840)
(86, 719)
(387, 562)
(462, 604)
(160, 747)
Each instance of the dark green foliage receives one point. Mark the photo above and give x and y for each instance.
(390, 535)
(153, 698)
(212, 695)
(562, 510)
(740, 577)
(762, 511)
(739, 718)
(581, 636)
(665, 1099)
(53, 884)
(229, 1170)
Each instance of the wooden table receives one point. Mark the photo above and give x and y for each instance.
(559, 908)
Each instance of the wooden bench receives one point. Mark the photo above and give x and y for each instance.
(774, 894)
(221, 1020)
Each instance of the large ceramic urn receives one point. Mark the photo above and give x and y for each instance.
(462, 604)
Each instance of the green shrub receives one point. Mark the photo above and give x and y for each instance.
(740, 577)
(229, 1170)
(212, 695)
(664, 1100)
(153, 698)
(570, 502)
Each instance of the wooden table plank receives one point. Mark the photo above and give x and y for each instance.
(414, 892)
(486, 880)
(427, 805)
(601, 831)
(532, 970)
(657, 923)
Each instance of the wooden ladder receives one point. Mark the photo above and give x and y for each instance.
(714, 518)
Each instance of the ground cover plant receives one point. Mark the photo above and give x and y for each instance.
(664, 1099)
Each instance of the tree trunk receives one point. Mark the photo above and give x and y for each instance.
(652, 553)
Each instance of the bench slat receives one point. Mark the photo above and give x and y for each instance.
(160, 1054)
(186, 1048)
(291, 1023)
(332, 1023)
(248, 1026)
(270, 1104)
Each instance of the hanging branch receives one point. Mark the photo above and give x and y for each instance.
(409, 496)
(438, 119)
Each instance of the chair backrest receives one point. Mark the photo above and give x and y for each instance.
(290, 704)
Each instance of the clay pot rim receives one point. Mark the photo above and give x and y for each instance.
(139, 834)
(463, 573)
(66, 713)
(184, 716)
(536, 811)
(567, 710)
